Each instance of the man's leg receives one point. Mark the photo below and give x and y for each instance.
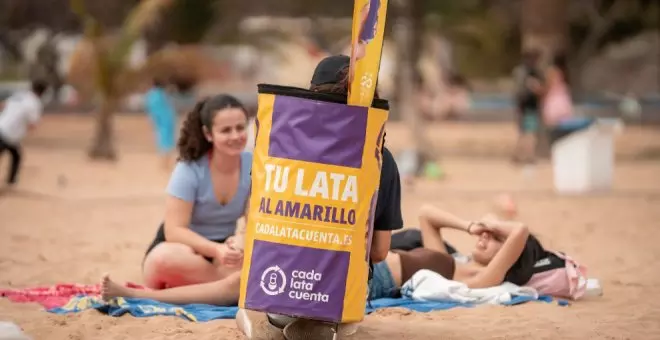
(15, 152)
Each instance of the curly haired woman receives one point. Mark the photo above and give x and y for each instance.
(208, 193)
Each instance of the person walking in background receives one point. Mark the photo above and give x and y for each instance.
(20, 113)
(163, 116)
(557, 103)
(529, 89)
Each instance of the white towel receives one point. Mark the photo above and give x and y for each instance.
(426, 285)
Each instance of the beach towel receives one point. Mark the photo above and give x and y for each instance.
(202, 313)
(427, 285)
(429, 306)
(74, 298)
(53, 296)
(145, 308)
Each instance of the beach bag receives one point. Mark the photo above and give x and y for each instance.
(560, 276)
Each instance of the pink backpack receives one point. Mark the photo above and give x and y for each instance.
(568, 281)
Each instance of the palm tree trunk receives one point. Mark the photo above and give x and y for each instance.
(544, 25)
(103, 145)
(408, 33)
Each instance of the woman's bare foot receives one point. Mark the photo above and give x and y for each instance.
(111, 289)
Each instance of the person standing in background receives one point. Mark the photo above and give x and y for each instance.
(529, 90)
(163, 116)
(183, 99)
(20, 113)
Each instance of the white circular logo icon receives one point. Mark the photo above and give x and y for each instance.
(273, 281)
(367, 80)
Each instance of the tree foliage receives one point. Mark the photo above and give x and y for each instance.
(108, 69)
(486, 33)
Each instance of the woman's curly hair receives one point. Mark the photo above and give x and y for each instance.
(192, 143)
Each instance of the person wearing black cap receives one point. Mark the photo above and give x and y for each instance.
(331, 76)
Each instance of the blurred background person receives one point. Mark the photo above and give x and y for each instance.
(528, 91)
(20, 113)
(161, 110)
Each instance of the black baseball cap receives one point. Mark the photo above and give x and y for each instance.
(328, 69)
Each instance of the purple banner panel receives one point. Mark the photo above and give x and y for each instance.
(297, 281)
(319, 132)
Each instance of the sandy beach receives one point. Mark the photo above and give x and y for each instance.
(70, 220)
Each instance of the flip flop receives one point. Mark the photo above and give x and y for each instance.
(303, 329)
(255, 326)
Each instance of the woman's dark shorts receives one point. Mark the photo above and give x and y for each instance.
(160, 238)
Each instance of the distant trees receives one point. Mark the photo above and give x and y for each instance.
(108, 66)
(487, 34)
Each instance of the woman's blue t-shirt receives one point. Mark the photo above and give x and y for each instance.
(191, 182)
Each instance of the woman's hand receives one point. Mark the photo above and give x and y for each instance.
(228, 256)
(236, 242)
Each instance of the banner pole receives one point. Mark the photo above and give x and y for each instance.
(368, 29)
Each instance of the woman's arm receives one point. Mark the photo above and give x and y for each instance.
(182, 190)
(387, 216)
(177, 221)
(380, 245)
(431, 220)
(514, 236)
(238, 240)
(439, 218)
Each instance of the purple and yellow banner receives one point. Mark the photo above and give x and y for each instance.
(315, 176)
(366, 49)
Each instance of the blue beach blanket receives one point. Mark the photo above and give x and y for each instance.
(202, 313)
(429, 306)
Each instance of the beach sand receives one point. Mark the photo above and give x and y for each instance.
(70, 220)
